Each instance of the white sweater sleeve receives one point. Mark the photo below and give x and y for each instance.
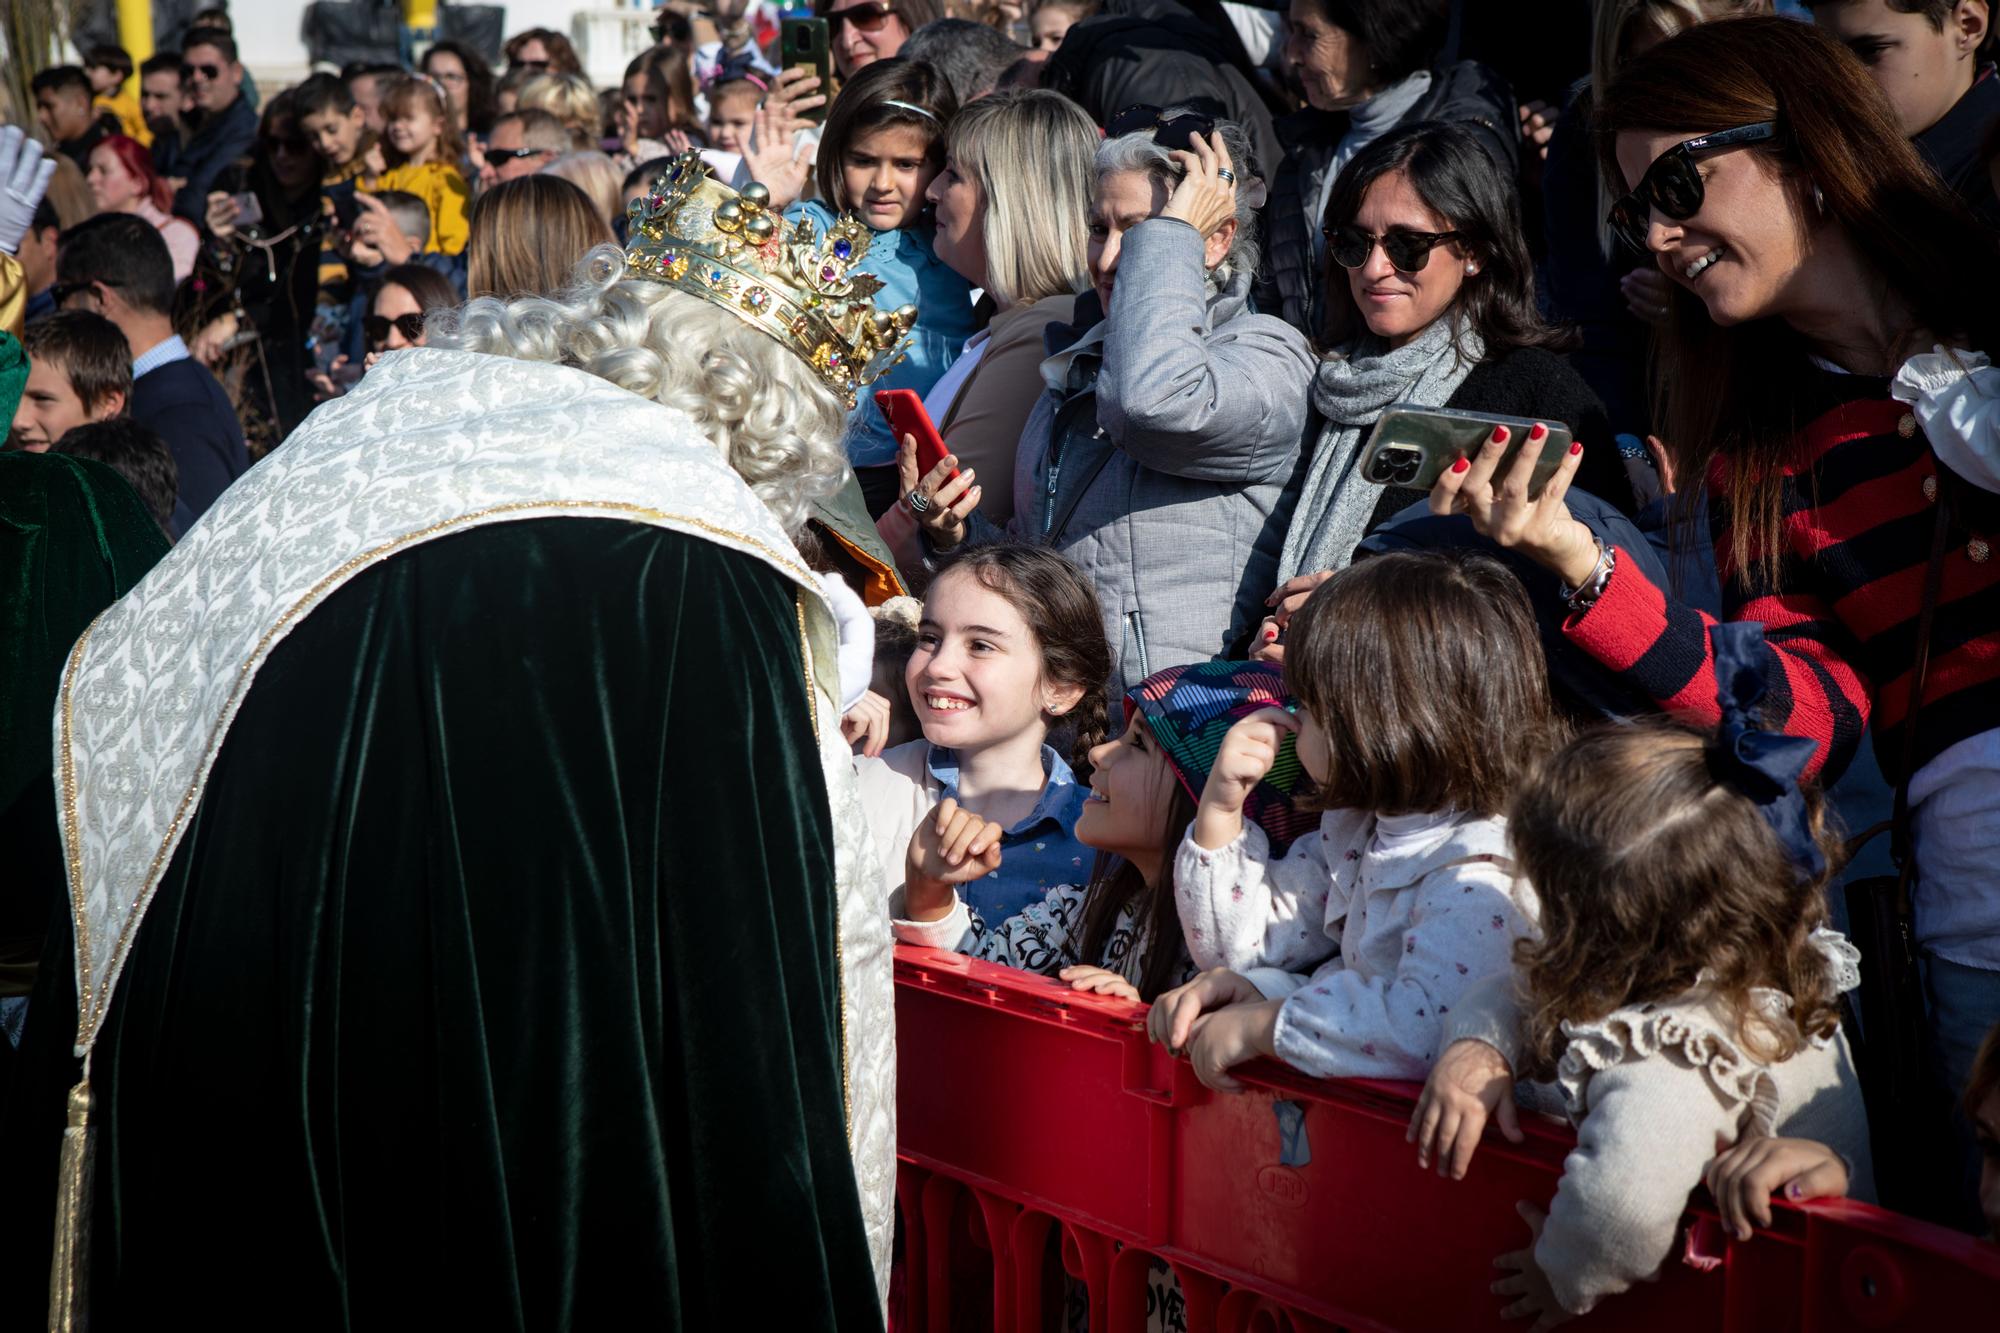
(1241, 909)
(1351, 1021)
(1652, 1126)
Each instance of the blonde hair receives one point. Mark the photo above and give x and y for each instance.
(527, 235)
(571, 100)
(406, 94)
(762, 406)
(597, 176)
(1033, 153)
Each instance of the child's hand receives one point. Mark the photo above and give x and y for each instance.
(867, 724)
(1744, 1178)
(1245, 756)
(1529, 1282)
(1228, 1037)
(374, 162)
(1470, 1082)
(1173, 1015)
(1099, 981)
(952, 846)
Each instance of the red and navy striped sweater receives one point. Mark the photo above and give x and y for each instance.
(1842, 627)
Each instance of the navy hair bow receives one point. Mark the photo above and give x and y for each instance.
(1763, 765)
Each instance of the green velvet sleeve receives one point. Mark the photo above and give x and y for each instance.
(494, 985)
(74, 538)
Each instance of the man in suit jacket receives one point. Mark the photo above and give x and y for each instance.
(117, 265)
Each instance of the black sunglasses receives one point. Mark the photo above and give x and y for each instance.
(538, 66)
(377, 328)
(1169, 132)
(1408, 250)
(498, 155)
(209, 72)
(1673, 183)
(866, 17)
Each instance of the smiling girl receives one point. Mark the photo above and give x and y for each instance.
(1118, 933)
(884, 143)
(421, 150)
(1008, 650)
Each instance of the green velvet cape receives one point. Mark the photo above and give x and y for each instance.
(493, 985)
(74, 538)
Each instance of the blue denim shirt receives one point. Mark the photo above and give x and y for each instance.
(1036, 854)
(911, 274)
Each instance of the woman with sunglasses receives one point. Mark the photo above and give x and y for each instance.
(1157, 458)
(1366, 67)
(1812, 254)
(406, 298)
(1431, 300)
(861, 32)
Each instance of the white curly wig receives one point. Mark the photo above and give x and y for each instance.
(772, 418)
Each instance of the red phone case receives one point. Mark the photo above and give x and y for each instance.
(905, 413)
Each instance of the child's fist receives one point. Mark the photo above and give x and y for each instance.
(1247, 753)
(953, 846)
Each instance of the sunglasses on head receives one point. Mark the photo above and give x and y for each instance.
(868, 17)
(1169, 132)
(1673, 183)
(1408, 250)
(377, 328)
(195, 71)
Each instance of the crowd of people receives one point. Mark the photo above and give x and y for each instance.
(1534, 774)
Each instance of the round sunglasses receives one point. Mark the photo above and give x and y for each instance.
(1408, 250)
(1673, 184)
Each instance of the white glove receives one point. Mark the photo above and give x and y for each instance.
(24, 179)
(1956, 397)
(857, 638)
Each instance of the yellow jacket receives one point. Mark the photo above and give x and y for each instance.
(443, 189)
(125, 107)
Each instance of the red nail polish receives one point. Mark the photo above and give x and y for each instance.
(1463, 463)
(1270, 634)
(1537, 432)
(1501, 435)
(1576, 448)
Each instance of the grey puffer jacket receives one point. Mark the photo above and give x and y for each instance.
(1165, 466)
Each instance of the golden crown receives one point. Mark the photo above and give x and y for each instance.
(697, 234)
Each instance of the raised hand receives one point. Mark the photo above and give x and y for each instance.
(1205, 198)
(1247, 752)
(950, 846)
(947, 501)
(1503, 509)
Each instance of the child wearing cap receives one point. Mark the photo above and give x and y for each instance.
(1423, 703)
(1116, 933)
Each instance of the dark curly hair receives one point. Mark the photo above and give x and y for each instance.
(1655, 875)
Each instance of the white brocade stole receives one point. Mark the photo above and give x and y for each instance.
(430, 443)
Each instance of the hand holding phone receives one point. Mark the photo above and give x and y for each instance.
(1412, 445)
(904, 411)
(806, 44)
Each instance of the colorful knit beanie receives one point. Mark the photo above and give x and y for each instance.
(1191, 708)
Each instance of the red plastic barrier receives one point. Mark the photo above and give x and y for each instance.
(1030, 1112)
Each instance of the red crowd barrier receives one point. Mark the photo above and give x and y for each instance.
(1036, 1121)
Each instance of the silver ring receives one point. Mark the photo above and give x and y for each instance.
(918, 502)
(1225, 174)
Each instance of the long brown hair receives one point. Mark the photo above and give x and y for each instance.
(527, 235)
(1116, 882)
(1425, 671)
(1653, 872)
(1731, 396)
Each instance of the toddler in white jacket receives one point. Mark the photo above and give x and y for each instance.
(1423, 703)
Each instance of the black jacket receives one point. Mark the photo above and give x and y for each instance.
(1290, 285)
(1956, 145)
(223, 137)
(1157, 53)
(190, 411)
(1539, 385)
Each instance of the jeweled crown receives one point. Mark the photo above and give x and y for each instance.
(697, 234)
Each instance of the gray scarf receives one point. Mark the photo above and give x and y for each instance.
(1350, 391)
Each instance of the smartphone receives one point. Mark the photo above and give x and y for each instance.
(1412, 445)
(346, 208)
(803, 42)
(248, 211)
(904, 410)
